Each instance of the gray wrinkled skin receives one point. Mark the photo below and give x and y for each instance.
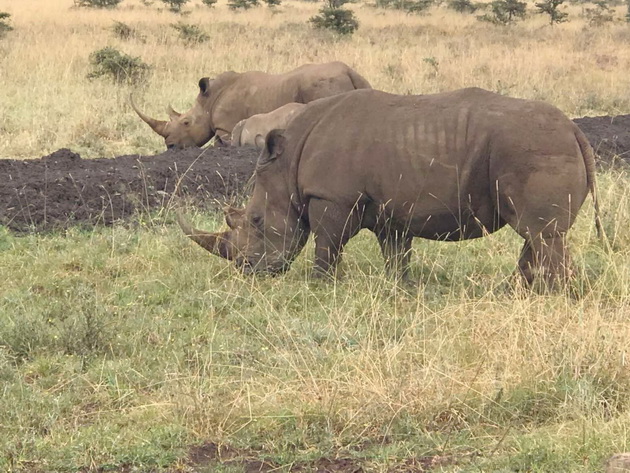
(450, 166)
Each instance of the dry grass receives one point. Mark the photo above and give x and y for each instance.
(119, 347)
(47, 102)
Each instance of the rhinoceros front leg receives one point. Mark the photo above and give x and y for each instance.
(545, 258)
(333, 225)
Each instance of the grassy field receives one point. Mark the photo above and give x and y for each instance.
(127, 348)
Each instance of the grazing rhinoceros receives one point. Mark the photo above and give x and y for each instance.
(450, 166)
(253, 130)
(231, 97)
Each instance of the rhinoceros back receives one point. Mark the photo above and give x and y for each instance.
(434, 155)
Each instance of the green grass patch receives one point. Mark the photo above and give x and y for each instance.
(125, 347)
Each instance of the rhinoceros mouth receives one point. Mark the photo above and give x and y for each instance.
(274, 269)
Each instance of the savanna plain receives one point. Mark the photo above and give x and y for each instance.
(126, 348)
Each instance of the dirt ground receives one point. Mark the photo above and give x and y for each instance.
(63, 189)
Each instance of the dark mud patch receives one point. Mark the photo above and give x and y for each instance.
(609, 136)
(63, 189)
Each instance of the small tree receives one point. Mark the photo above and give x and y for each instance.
(600, 15)
(550, 7)
(504, 12)
(462, 6)
(243, 4)
(191, 34)
(332, 17)
(175, 5)
(209, 3)
(97, 3)
(410, 6)
(5, 27)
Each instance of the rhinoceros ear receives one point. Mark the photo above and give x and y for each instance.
(204, 86)
(274, 147)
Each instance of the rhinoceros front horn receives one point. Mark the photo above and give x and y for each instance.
(215, 243)
(157, 125)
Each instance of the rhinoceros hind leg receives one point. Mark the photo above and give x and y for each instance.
(396, 249)
(545, 260)
(332, 225)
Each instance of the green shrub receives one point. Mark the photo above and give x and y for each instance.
(97, 3)
(462, 6)
(120, 67)
(628, 11)
(410, 6)
(504, 12)
(175, 5)
(209, 3)
(125, 32)
(332, 17)
(190, 34)
(273, 3)
(5, 27)
(243, 4)
(600, 15)
(550, 7)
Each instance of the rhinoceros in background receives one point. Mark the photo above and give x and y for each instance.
(253, 130)
(450, 166)
(232, 96)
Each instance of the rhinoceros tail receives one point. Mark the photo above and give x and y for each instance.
(358, 81)
(589, 162)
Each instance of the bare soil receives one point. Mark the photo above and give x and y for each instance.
(63, 189)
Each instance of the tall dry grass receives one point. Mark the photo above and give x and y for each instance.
(46, 102)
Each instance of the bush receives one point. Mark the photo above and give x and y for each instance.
(410, 6)
(628, 11)
(243, 4)
(97, 3)
(504, 12)
(209, 3)
(191, 34)
(120, 67)
(5, 27)
(125, 32)
(600, 15)
(462, 6)
(550, 7)
(273, 3)
(175, 5)
(332, 17)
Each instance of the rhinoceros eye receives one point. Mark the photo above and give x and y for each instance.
(257, 220)
(186, 122)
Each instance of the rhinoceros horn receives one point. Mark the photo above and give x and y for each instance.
(172, 113)
(157, 125)
(215, 243)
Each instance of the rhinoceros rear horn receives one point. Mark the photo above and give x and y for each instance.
(157, 126)
(172, 113)
(274, 147)
(215, 243)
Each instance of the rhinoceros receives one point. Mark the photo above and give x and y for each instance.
(231, 97)
(253, 130)
(450, 166)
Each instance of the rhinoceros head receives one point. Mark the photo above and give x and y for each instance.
(269, 232)
(183, 130)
